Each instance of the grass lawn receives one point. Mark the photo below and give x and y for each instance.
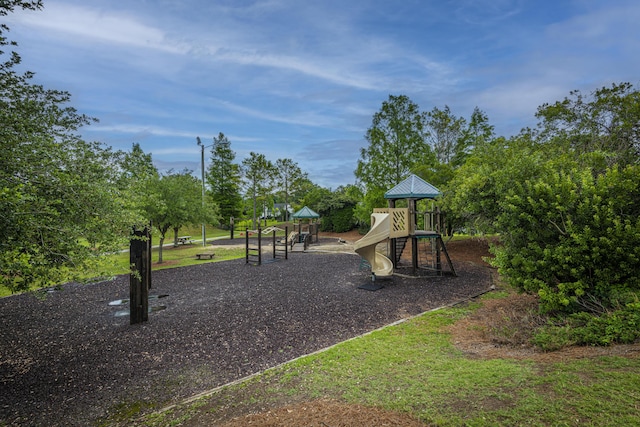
(183, 255)
(415, 368)
(173, 257)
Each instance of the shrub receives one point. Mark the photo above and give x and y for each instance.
(553, 337)
(620, 326)
(338, 220)
(573, 236)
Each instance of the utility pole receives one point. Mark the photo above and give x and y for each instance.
(204, 230)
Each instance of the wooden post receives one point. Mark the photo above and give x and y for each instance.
(259, 246)
(140, 277)
(274, 243)
(438, 260)
(414, 253)
(148, 258)
(246, 239)
(391, 204)
(412, 232)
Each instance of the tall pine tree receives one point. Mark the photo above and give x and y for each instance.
(290, 178)
(224, 179)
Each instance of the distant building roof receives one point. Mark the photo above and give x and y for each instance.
(306, 213)
(282, 206)
(413, 187)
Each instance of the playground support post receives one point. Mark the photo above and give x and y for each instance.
(248, 249)
(286, 244)
(259, 246)
(140, 277)
(273, 234)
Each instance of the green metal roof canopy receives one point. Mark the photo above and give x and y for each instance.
(413, 187)
(306, 213)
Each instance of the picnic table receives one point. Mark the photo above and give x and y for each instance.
(183, 240)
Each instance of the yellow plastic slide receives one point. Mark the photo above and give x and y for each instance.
(366, 247)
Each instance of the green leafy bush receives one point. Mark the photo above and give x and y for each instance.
(338, 220)
(565, 199)
(572, 236)
(621, 326)
(617, 327)
(553, 337)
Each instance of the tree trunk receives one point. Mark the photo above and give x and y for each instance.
(255, 223)
(160, 249)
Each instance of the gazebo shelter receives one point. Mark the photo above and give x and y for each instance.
(413, 189)
(307, 224)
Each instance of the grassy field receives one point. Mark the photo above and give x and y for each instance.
(195, 231)
(414, 368)
(115, 264)
(112, 265)
(180, 256)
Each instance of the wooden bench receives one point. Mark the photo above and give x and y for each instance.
(205, 255)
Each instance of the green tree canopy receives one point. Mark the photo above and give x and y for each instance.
(313, 196)
(607, 121)
(224, 178)
(60, 203)
(477, 133)
(397, 144)
(290, 179)
(136, 169)
(565, 200)
(337, 209)
(572, 235)
(175, 200)
(259, 173)
(473, 197)
(446, 131)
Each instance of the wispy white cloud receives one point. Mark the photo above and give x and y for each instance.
(153, 130)
(334, 149)
(140, 130)
(487, 12)
(292, 78)
(342, 56)
(321, 69)
(91, 24)
(585, 50)
(611, 23)
(317, 42)
(308, 118)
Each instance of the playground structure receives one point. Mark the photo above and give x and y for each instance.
(300, 239)
(253, 253)
(399, 226)
(308, 228)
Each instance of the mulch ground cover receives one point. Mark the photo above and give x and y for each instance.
(72, 358)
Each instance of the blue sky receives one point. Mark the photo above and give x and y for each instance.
(302, 79)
